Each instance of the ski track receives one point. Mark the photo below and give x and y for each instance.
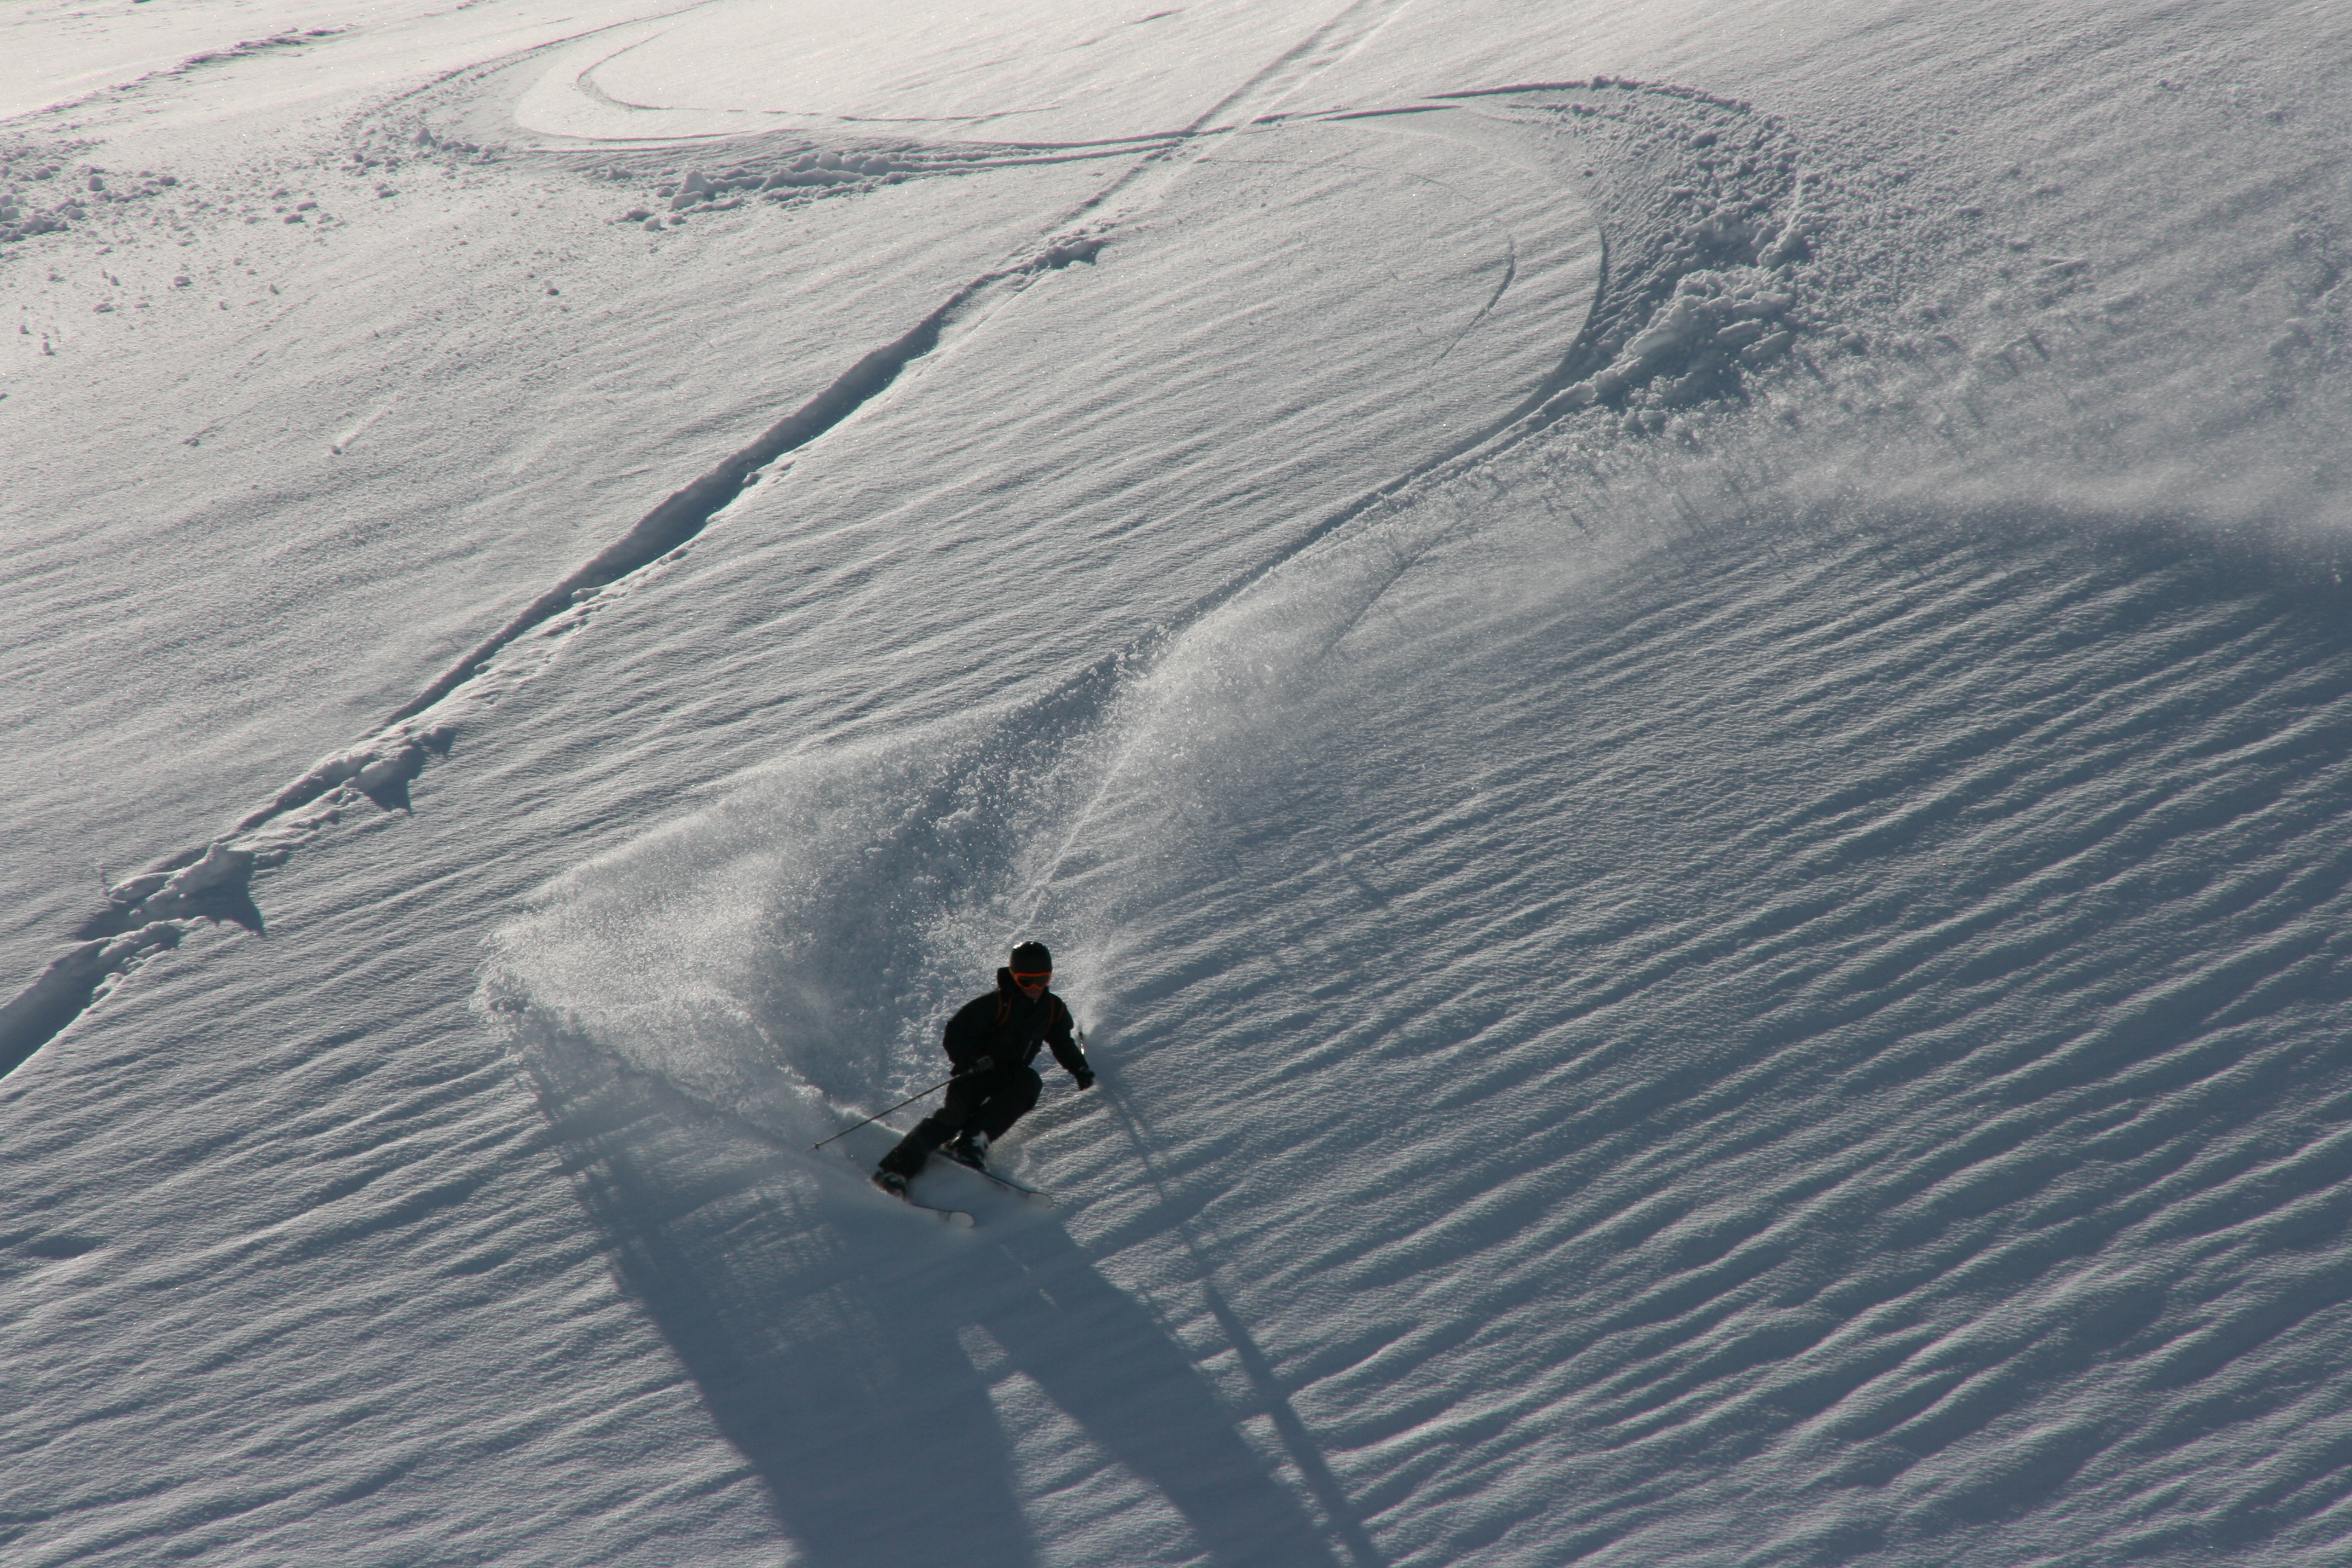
(1642, 1018)
(1665, 238)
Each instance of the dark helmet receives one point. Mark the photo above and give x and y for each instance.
(1031, 958)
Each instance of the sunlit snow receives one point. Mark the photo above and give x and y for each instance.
(1674, 681)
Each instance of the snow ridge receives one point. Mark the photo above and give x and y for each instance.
(211, 881)
(71, 983)
(687, 511)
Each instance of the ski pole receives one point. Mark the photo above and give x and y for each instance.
(981, 1066)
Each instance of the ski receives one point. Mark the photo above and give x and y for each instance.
(1035, 1195)
(958, 1218)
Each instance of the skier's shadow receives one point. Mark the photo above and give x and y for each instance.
(827, 1333)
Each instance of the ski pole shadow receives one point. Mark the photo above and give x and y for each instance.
(1304, 1453)
(826, 1332)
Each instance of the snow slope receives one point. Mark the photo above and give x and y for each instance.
(1673, 685)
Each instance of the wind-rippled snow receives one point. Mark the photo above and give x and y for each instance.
(1685, 734)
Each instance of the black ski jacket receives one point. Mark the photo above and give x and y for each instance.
(1008, 1028)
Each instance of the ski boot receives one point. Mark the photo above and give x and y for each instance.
(892, 1183)
(968, 1149)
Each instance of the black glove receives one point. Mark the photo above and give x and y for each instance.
(980, 1064)
(1085, 1076)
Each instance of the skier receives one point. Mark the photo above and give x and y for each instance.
(992, 1040)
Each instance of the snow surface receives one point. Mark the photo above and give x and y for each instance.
(1672, 682)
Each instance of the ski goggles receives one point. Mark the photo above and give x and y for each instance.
(1037, 978)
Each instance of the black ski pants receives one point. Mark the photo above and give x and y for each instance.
(989, 1101)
